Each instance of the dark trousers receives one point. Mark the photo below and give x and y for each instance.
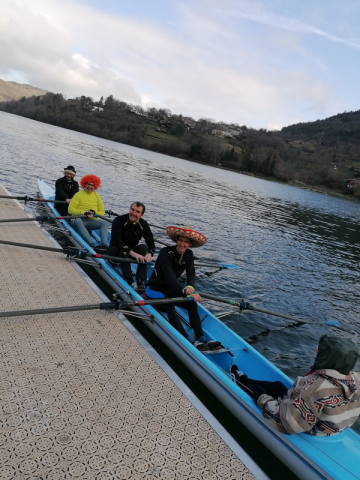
(174, 319)
(62, 208)
(141, 271)
(274, 389)
(194, 318)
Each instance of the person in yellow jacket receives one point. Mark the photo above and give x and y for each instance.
(88, 202)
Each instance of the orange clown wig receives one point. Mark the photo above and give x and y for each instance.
(90, 179)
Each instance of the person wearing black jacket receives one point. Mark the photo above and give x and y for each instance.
(65, 189)
(169, 265)
(126, 232)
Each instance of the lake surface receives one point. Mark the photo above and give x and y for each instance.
(299, 251)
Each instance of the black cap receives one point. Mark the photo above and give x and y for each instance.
(71, 168)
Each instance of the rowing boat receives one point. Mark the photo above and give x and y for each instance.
(336, 457)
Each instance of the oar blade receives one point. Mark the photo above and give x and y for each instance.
(230, 266)
(332, 323)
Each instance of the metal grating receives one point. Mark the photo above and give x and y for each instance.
(80, 398)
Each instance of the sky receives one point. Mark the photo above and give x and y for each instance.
(261, 64)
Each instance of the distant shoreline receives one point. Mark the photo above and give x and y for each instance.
(134, 135)
(315, 188)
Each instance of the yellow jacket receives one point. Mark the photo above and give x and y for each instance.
(83, 202)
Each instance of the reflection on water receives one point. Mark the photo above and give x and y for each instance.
(299, 250)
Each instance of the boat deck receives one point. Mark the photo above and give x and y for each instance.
(82, 394)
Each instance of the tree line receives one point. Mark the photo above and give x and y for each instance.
(321, 153)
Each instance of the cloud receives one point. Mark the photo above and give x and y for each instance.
(37, 43)
(258, 13)
(203, 68)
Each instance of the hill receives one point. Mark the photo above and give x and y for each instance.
(15, 91)
(321, 155)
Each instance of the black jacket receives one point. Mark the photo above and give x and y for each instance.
(65, 189)
(167, 270)
(125, 235)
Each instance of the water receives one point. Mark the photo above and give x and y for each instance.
(299, 250)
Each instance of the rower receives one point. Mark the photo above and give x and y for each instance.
(88, 202)
(126, 232)
(322, 403)
(164, 281)
(65, 189)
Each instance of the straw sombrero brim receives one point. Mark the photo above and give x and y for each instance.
(197, 239)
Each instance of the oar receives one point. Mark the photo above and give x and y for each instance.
(72, 251)
(116, 305)
(31, 199)
(111, 221)
(246, 306)
(110, 212)
(219, 265)
(43, 218)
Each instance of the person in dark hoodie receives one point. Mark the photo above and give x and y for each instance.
(126, 232)
(323, 403)
(164, 282)
(65, 189)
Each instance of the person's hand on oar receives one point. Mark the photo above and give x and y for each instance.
(196, 297)
(139, 258)
(188, 290)
(91, 214)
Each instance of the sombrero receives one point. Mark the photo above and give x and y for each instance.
(197, 239)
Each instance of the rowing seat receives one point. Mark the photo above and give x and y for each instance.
(152, 293)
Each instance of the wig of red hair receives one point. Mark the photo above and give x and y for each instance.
(90, 179)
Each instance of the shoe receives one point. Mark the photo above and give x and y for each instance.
(234, 371)
(101, 249)
(200, 346)
(214, 345)
(140, 285)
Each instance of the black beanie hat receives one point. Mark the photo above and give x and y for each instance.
(70, 169)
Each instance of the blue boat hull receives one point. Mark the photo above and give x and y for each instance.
(336, 457)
